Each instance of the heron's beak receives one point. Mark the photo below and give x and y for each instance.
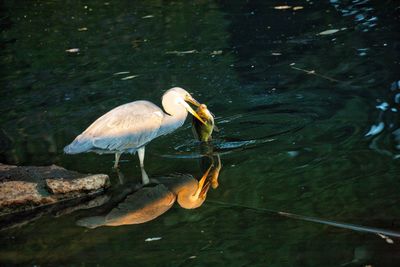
(192, 101)
(202, 189)
(189, 108)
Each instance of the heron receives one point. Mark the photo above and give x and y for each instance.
(130, 127)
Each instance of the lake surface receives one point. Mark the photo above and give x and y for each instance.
(298, 89)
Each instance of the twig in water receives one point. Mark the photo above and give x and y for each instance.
(316, 74)
(359, 228)
(181, 53)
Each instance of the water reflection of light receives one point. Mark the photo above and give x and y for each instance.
(387, 121)
(359, 10)
(150, 201)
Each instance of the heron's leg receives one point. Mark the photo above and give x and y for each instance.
(145, 178)
(121, 177)
(141, 156)
(117, 156)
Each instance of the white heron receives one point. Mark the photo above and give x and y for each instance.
(130, 127)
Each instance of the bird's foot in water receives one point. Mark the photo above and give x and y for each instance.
(154, 181)
(117, 164)
(145, 177)
(121, 176)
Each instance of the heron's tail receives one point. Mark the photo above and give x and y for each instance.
(79, 145)
(92, 222)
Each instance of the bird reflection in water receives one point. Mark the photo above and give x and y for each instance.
(154, 199)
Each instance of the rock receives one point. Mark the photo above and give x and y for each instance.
(89, 183)
(15, 193)
(25, 188)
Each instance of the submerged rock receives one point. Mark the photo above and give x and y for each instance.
(29, 187)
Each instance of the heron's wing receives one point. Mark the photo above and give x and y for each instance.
(142, 206)
(128, 126)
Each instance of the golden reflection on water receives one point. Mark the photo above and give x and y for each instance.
(152, 200)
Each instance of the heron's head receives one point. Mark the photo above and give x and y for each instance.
(179, 96)
(192, 193)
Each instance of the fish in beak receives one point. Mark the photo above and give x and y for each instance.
(189, 108)
(203, 132)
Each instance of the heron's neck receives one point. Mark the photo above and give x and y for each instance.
(173, 121)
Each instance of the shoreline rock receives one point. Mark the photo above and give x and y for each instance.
(25, 188)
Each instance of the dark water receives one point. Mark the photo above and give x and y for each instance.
(295, 104)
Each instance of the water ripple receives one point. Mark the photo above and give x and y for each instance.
(244, 131)
(385, 132)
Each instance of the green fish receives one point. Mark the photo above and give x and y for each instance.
(202, 131)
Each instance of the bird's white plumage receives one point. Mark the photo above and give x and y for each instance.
(129, 127)
(123, 128)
